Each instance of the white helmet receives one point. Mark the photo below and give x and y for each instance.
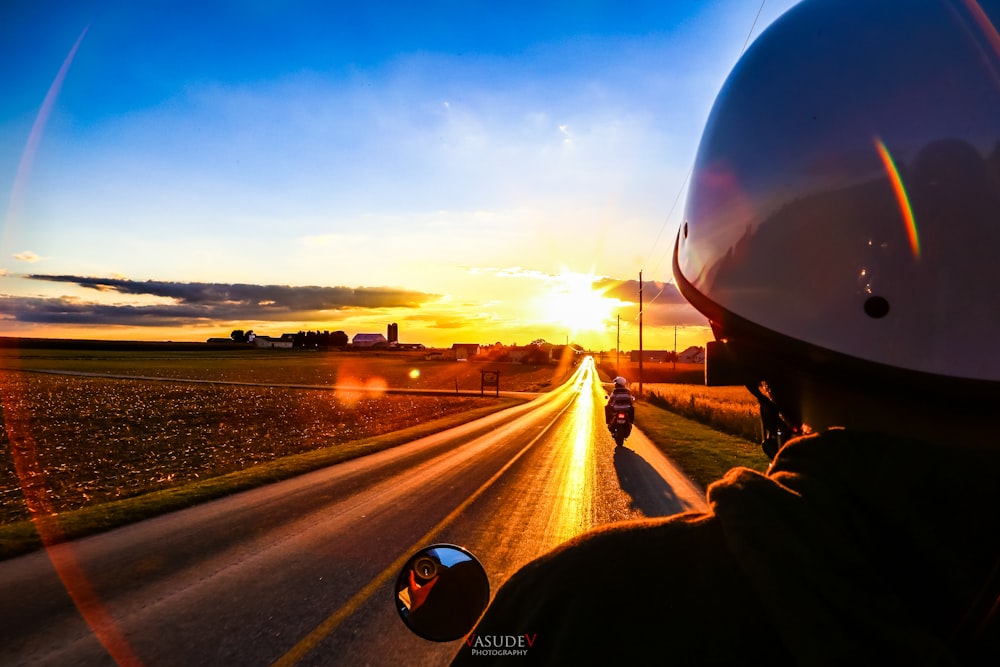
(845, 201)
(621, 382)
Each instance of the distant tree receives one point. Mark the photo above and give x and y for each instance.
(338, 339)
(319, 339)
(238, 336)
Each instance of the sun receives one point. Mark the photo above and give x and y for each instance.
(574, 304)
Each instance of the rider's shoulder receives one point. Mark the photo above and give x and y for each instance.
(577, 607)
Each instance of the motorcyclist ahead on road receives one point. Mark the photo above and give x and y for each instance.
(620, 399)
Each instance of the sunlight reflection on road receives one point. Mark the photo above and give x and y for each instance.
(573, 513)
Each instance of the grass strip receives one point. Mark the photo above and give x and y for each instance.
(703, 453)
(22, 537)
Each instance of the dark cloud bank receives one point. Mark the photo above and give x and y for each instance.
(202, 302)
(663, 305)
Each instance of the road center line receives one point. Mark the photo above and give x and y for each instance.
(312, 639)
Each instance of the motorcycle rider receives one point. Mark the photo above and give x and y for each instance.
(620, 399)
(841, 236)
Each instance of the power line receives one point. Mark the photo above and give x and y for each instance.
(680, 191)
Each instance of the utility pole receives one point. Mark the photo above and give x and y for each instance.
(640, 332)
(675, 352)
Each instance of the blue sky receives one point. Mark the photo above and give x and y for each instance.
(476, 172)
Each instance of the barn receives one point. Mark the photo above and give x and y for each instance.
(369, 340)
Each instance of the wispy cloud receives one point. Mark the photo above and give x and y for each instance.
(28, 256)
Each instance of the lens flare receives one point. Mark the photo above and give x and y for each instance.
(985, 24)
(38, 129)
(901, 197)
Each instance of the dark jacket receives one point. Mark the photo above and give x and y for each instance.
(852, 550)
(619, 399)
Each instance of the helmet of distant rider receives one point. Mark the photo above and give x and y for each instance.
(621, 382)
(845, 199)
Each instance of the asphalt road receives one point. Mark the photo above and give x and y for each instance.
(302, 571)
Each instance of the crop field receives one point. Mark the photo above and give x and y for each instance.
(680, 388)
(728, 409)
(87, 440)
(389, 369)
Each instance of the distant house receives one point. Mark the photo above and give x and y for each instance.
(530, 354)
(369, 340)
(465, 350)
(692, 355)
(518, 354)
(283, 343)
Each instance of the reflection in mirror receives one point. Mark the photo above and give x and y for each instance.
(441, 592)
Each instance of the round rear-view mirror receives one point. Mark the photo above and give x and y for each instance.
(441, 592)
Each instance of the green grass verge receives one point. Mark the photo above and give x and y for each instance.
(703, 453)
(22, 537)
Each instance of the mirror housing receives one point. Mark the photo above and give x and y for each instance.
(441, 592)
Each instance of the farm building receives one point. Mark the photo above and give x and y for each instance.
(369, 340)
(284, 342)
(519, 354)
(465, 350)
(692, 355)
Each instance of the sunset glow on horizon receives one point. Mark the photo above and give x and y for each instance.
(472, 174)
